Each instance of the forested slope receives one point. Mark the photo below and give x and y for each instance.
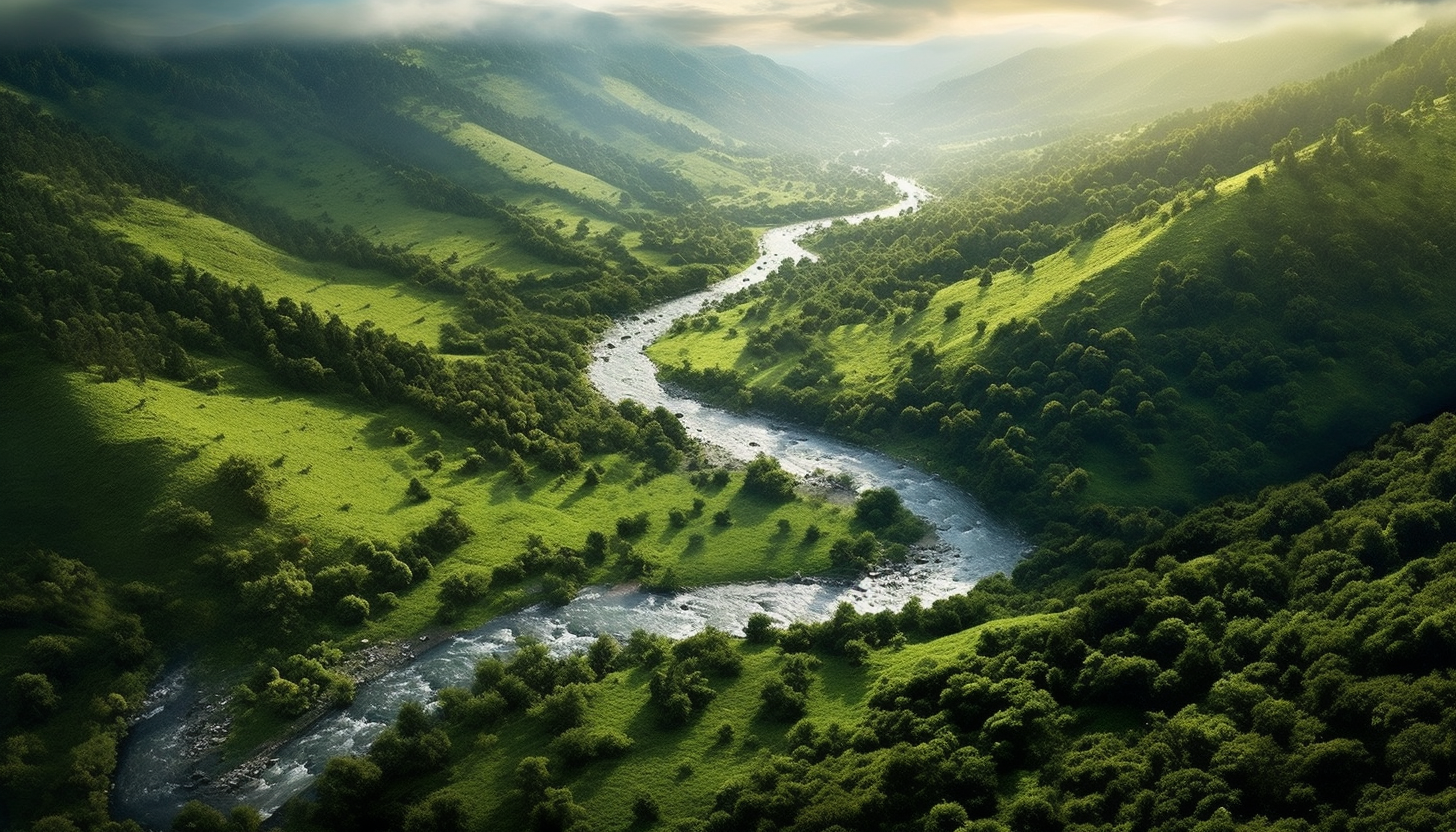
(239, 458)
(1276, 663)
(1180, 343)
(1112, 82)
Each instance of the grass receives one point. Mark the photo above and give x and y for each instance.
(355, 295)
(520, 162)
(1340, 403)
(338, 476)
(683, 767)
(868, 353)
(306, 173)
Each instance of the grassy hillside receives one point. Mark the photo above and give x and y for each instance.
(228, 400)
(1109, 83)
(1231, 335)
(1277, 663)
(296, 336)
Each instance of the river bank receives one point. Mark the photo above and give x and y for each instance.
(971, 545)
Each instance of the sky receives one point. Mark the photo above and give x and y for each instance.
(772, 26)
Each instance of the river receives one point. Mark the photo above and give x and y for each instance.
(157, 772)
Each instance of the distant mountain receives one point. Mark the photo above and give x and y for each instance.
(726, 93)
(1112, 82)
(889, 73)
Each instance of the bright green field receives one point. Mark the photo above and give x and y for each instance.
(70, 437)
(355, 295)
(307, 174)
(521, 162)
(344, 188)
(868, 353)
(656, 763)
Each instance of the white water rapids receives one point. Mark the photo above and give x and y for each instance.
(157, 774)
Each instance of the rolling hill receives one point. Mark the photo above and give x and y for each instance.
(292, 337)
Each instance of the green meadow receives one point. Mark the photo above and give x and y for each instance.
(180, 235)
(683, 767)
(338, 475)
(869, 354)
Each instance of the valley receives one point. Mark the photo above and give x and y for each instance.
(312, 347)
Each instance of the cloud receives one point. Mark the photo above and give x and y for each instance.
(752, 23)
(786, 23)
(155, 23)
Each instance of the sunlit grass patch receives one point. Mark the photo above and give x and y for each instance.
(355, 295)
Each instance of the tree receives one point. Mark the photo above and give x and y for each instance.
(602, 654)
(759, 629)
(533, 777)
(35, 696)
(766, 478)
(347, 790)
(352, 609)
(197, 816)
(459, 590)
(417, 490)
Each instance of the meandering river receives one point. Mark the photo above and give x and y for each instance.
(158, 774)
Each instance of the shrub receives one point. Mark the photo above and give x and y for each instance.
(417, 490)
(533, 776)
(175, 518)
(402, 435)
(583, 744)
(722, 518)
(782, 702)
(255, 500)
(206, 381)
(634, 526)
(240, 472)
(352, 609)
(883, 512)
(461, 589)
(562, 709)
(645, 808)
(766, 478)
(35, 697)
(759, 629)
(444, 534)
(54, 655)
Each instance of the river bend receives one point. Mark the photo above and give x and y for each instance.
(157, 774)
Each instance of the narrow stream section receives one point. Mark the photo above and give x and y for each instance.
(159, 771)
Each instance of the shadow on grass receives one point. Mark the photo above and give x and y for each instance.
(581, 492)
(57, 462)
